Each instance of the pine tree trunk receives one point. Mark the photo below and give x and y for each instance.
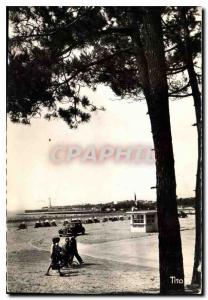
(196, 277)
(170, 251)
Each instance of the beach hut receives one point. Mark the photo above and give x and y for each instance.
(143, 221)
(53, 223)
(22, 225)
(89, 221)
(66, 221)
(96, 220)
(37, 224)
(105, 219)
(47, 223)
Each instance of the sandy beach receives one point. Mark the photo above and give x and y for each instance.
(116, 260)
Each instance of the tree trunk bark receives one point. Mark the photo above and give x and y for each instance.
(170, 250)
(196, 277)
(156, 93)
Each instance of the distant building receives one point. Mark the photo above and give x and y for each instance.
(108, 209)
(143, 220)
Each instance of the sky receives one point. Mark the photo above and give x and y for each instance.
(32, 178)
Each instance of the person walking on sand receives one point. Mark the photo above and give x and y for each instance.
(67, 251)
(74, 251)
(55, 263)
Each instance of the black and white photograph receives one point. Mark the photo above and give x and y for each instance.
(104, 150)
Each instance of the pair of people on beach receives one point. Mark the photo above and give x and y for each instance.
(63, 256)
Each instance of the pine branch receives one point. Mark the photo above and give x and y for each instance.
(172, 48)
(97, 62)
(175, 92)
(172, 71)
(180, 96)
(55, 31)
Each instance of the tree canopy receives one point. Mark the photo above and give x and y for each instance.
(55, 51)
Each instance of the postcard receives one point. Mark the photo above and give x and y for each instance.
(104, 150)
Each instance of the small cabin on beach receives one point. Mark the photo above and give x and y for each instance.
(143, 220)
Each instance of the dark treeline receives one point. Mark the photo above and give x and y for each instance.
(128, 204)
